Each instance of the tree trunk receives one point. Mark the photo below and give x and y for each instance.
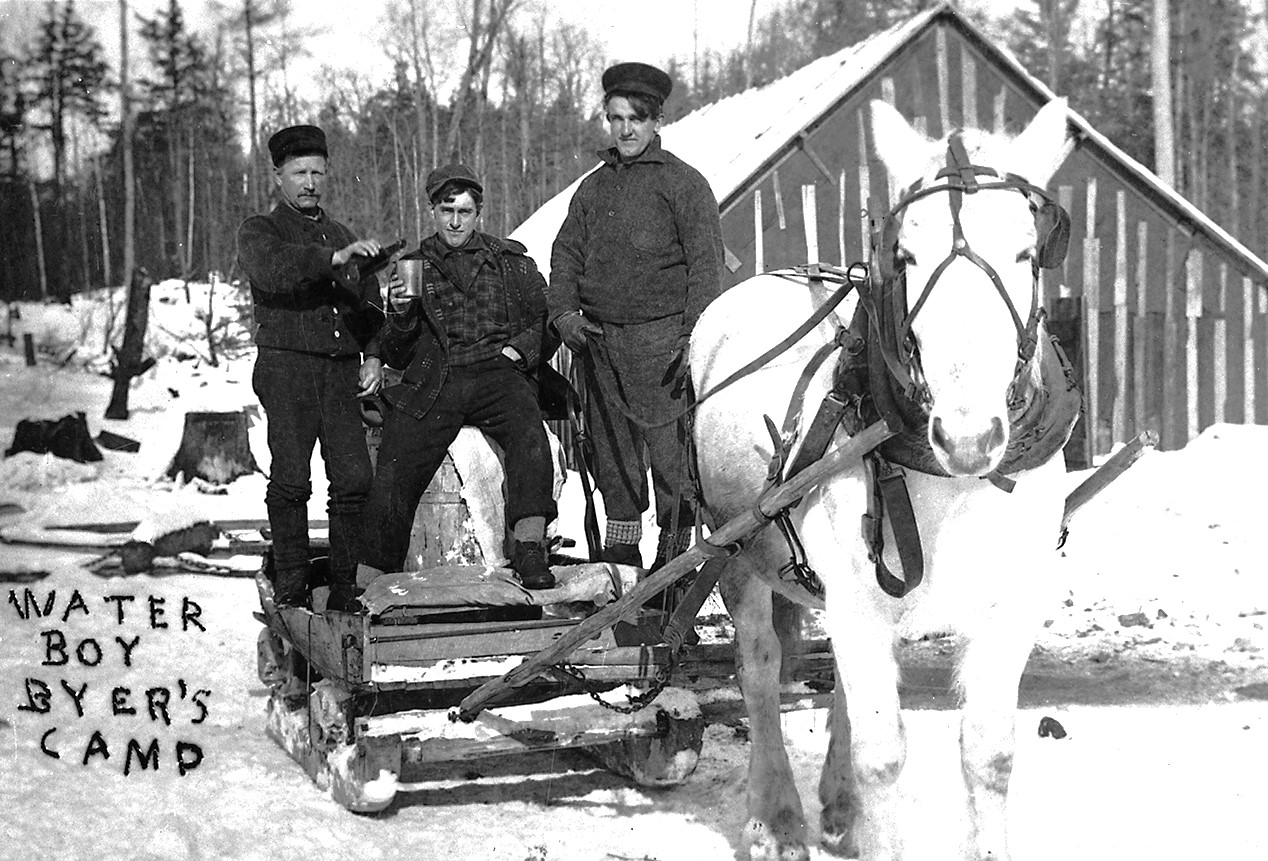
(256, 182)
(39, 238)
(129, 173)
(128, 362)
(1164, 132)
(214, 447)
(107, 270)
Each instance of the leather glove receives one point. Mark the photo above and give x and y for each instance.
(574, 329)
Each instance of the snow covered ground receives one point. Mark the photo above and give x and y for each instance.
(1167, 584)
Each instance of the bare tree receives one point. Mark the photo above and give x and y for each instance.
(1164, 131)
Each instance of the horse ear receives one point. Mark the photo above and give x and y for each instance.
(903, 150)
(1036, 153)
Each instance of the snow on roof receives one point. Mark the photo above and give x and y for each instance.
(730, 140)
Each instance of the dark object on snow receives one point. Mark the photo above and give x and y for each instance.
(138, 556)
(1134, 620)
(1051, 727)
(66, 437)
(28, 347)
(115, 442)
(214, 447)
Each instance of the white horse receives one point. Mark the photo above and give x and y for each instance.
(986, 549)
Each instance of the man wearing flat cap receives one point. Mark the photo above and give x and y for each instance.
(469, 338)
(316, 319)
(637, 259)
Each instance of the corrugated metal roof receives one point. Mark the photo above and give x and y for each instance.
(730, 140)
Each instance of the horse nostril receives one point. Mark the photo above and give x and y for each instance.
(940, 438)
(995, 439)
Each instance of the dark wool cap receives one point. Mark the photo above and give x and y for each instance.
(297, 140)
(637, 78)
(458, 173)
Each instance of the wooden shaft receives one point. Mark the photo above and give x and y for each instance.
(734, 530)
(1106, 473)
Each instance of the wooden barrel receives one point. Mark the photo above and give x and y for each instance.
(443, 532)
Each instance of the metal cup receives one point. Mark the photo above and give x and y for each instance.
(411, 275)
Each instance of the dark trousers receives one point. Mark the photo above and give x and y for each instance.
(496, 398)
(311, 399)
(630, 365)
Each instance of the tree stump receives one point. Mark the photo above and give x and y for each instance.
(214, 447)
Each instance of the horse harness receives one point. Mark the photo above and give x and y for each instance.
(878, 373)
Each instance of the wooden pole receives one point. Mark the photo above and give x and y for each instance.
(734, 530)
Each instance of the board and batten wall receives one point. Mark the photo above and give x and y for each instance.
(1169, 330)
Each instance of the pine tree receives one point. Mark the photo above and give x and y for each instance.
(68, 70)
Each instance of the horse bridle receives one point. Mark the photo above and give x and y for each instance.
(958, 178)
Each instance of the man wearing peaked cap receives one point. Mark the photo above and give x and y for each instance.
(636, 261)
(297, 140)
(317, 354)
(626, 78)
(470, 343)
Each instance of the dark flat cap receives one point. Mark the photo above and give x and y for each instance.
(637, 78)
(297, 140)
(446, 173)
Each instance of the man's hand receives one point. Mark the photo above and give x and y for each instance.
(575, 330)
(677, 371)
(360, 248)
(371, 376)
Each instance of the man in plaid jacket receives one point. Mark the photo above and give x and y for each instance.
(469, 344)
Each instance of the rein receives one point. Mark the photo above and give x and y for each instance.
(848, 279)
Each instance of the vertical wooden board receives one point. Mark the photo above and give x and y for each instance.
(810, 221)
(1195, 381)
(1228, 355)
(1120, 345)
(943, 60)
(759, 234)
(1249, 393)
(1173, 422)
(1155, 363)
(843, 256)
(1140, 285)
(1092, 395)
(999, 122)
(914, 76)
(968, 88)
(777, 195)
(865, 186)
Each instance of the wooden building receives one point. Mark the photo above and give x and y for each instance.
(1163, 311)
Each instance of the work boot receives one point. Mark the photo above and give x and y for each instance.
(623, 554)
(345, 598)
(528, 559)
(290, 588)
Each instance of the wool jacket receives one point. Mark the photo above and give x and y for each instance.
(415, 341)
(302, 302)
(642, 241)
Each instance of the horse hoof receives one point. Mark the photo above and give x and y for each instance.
(840, 845)
(763, 845)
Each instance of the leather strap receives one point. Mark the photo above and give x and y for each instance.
(889, 491)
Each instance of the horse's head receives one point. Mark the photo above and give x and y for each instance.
(970, 232)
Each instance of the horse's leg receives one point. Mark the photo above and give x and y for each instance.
(991, 663)
(838, 792)
(867, 671)
(776, 825)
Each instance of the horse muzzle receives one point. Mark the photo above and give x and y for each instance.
(963, 448)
